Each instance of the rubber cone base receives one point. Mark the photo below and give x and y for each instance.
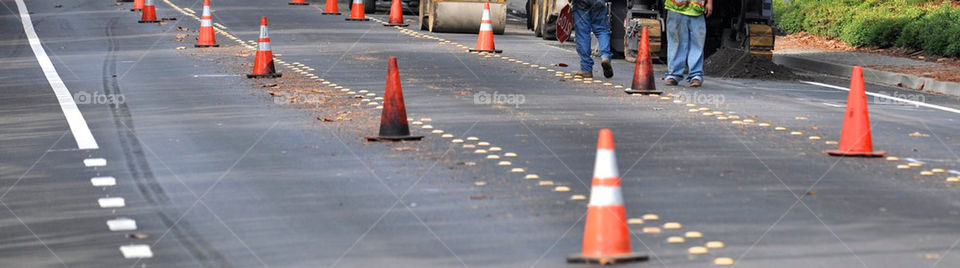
(631, 91)
(401, 25)
(149, 21)
(273, 75)
(299, 4)
(351, 19)
(855, 154)
(135, 9)
(488, 51)
(325, 13)
(394, 138)
(632, 257)
(217, 45)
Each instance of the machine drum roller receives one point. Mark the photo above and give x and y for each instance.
(460, 16)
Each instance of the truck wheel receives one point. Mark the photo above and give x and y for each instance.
(369, 6)
(548, 29)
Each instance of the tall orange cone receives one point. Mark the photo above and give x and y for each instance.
(393, 118)
(263, 63)
(356, 11)
(207, 37)
(605, 238)
(331, 8)
(149, 13)
(299, 3)
(856, 140)
(396, 15)
(137, 5)
(485, 38)
(643, 82)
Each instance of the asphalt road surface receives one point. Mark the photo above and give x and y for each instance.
(190, 164)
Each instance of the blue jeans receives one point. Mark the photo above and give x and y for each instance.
(591, 16)
(685, 36)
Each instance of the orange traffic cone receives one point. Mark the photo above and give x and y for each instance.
(396, 15)
(263, 63)
(207, 38)
(855, 138)
(331, 8)
(393, 118)
(149, 13)
(643, 71)
(137, 5)
(485, 39)
(356, 11)
(299, 2)
(605, 238)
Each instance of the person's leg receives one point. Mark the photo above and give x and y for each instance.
(581, 19)
(698, 35)
(601, 28)
(676, 47)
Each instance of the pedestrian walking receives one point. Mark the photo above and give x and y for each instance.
(591, 16)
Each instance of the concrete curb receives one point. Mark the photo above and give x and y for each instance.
(870, 75)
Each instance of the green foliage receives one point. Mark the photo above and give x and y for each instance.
(931, 25)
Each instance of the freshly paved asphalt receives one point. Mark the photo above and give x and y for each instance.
(217, 173)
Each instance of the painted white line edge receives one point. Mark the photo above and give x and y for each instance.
(78, 125)
(932, 106)
(138, 251)
(94, 162)
(122, 224)
(111, 202)
(103, 181)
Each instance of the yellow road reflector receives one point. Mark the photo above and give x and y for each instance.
(365, 91)
(545, 183)
(495, 149)
(493, 157)
(618, 86)
(534, 66)
(437, 131)
(427, 127)
(480, 183)
(672, 225)
(666, 98)
(831, 142)
(517, 170)
(737, 122)
(677, 101)
(707, 114)
(364, 100)
(697, 250)
(456, 141)
(473, 138)
(675, 240)
(469, 146)
(634, 221)
(764, 124)
(801, 118)
(531, 176)
(903, 166)
(561, 189)
(510, 155)
(714, 244)
(578, 197)
(915, 164)
(373, 103)
(691, 105)
(721, 118)
(926, 173)
(651, 230)
(893, 158)
(480, 151)
(693, 234)
(501, 163)
(705, 109)
(447, 136)
(748, 121)
(953, 179)
(796, 133)
(483, 143)
(734, 117)
(693, 111)
(723, 261)
(416, 123)
(938, 170)
(650, 217)
(426, 119)
(814, 138)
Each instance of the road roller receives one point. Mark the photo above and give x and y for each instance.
(460, 16)
(739, 24)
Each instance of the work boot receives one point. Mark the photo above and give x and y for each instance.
(696, 83)
(670, 82)
(607, 68)
(582, 74)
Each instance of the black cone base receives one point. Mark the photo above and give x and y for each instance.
(394, 138)
(632, 257)
(352, 19)
(272, 75)
(488, 51)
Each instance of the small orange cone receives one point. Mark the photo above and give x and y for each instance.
(605, 238)
(643, 82)
(298, 3)
(331, 8)
(855, 138)
(485, 38)
(356, 11)
(149, 13)
(207, 38)
(393, 118)
(137, 5)
(396, 15)
(263, 63)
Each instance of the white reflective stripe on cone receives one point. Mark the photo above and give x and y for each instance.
(206, 23)
(486, 27)
(264, 46)
(206, 11)
(486, 15)
(606, 165)
(358, 1)
(148, 3)
(605, 196)
(263, 32)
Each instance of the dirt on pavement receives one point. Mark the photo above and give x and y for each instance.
(732, 63)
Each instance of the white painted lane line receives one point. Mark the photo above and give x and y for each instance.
(914, 160)
(94, 162)
(103, 181)
(833, 105)
(111, 202)
(78, 125)
(122, 224)
(138, 251)
(932, 106)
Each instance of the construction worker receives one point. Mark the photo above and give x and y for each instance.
(686, 32)
(591, 16)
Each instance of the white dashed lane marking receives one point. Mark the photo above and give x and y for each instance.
(138, 251)
(122, 224)
(111, 202)
(103, 181)
(94, 162)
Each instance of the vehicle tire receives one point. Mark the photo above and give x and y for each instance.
(529, 15)
(369, 6)
(549, 28)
